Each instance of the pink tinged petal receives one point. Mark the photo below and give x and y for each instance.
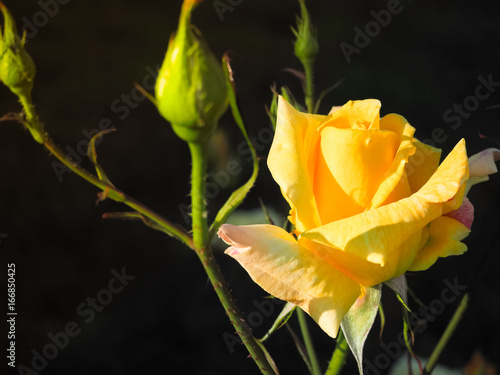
(483, 163)
(292, 161)
(286, 270)
(464, 214)
(481, 166)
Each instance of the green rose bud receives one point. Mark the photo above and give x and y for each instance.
(17, 70)
(191, 91)
(306, 45)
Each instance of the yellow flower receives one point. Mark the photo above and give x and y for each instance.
(368, 201)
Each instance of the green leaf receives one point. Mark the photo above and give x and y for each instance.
(92, 154)
(281, 320)
(238, 195)
(359, 320)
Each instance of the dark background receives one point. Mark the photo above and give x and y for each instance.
(168, 319)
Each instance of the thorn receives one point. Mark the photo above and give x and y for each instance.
(102, 196)
(11, 116)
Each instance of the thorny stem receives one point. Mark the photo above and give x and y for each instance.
(198, 204)
(205, 254)
(115, 194)
(199, 242)
(34, 125)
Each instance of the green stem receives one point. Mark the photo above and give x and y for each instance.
(450, 329)
(339, 355)
(242, 328)
(199, 242)
(313, 359)
(309, 89)
(198, 204)
(29, 109)
(113, 193)
(205, 254)
(32, 121)
(35, 126)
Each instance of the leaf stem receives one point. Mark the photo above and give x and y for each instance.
(115, 194)
(313, 359)
(32, 122)
(450, 329)
(237, 196)
(339, 355)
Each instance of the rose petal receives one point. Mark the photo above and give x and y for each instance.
(334, 109)
(291, 272)
(422, 164)
(364, 272)
(356, 114)
(483, 163)
(444, 240)
(464, 214)
(292, 161)
(395, 186)
(388, 235)
(353, 175)
(449, 177)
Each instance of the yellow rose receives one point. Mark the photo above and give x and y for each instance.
(368, 201)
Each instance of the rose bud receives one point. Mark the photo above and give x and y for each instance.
(17, 70)
(306, 45)
(191, 89)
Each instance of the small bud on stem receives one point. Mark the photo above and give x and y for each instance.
(191, 91)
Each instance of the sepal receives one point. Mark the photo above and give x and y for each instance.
(359, 320)
(92, 155)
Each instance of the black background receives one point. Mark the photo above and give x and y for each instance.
(168, 319)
